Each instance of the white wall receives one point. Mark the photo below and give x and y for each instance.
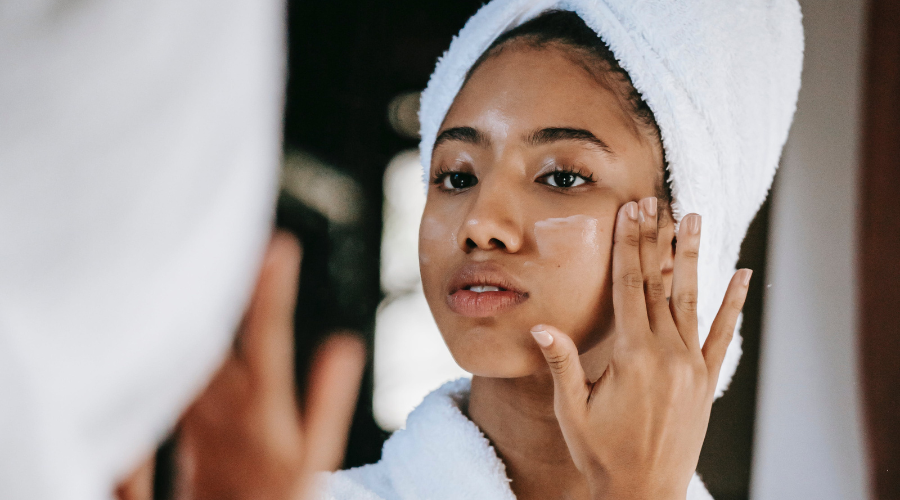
(809, 426)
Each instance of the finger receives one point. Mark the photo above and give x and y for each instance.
(230, 383)
(628, 283)
(331, 399)
(683, 303)
(723, 326)
(570, 386)
(139, 485)
(654, 289)
(268, 335)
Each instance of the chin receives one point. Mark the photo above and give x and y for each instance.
(488, 351)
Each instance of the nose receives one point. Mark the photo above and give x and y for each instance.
(493, 220)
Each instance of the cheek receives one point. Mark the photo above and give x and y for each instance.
(573, 256)
(437, 239)
(435, 230)
(572, 251)
(572, 240)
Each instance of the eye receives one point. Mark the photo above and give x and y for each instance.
(564, 179)
(457, 180)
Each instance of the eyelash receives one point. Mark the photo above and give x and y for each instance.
(443, 172)
(565, 169)
(438, 176)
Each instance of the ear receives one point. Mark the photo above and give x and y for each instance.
(666, 246)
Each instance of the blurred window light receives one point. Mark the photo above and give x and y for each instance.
(410, 356)
(321, 187)
(404, 201)
(403, 114)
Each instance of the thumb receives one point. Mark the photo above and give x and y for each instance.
(569, 381)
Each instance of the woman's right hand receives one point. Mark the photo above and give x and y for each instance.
(636, 432)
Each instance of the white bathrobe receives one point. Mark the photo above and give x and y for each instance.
(440, 455)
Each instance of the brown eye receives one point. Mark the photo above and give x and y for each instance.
(458, 180)
(564, 179)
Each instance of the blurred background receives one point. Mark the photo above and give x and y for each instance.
(806, 416)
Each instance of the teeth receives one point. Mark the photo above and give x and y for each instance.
(486, 288)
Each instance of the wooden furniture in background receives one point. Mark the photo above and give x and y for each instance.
(879, 251)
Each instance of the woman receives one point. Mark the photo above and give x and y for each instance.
(549, 211)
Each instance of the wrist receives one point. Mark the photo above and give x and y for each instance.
(633, 489)
(633, 494)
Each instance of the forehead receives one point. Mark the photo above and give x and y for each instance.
(530, 87)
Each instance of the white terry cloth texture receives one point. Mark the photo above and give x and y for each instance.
(139, 153)
(440, 455)
(722, 80)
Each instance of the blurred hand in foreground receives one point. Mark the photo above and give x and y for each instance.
(245, 437)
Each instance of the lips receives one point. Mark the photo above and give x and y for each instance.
(481, 290)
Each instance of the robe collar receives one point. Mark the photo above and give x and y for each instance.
(441, 454)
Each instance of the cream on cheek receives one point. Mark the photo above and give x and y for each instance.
(571, 241)
(434, 233)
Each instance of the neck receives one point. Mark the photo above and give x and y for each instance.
(517, 417)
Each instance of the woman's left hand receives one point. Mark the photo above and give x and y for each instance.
(246, 436)
(636, 433)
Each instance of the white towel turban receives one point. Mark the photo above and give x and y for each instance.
(139, 152)
(722, 79)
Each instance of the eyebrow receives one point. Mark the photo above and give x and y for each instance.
(467, 135)
(554, 134)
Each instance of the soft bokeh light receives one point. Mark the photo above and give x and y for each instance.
(410, 356)
(321, 187)
(403, 114)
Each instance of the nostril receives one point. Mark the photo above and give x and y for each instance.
(492, 244)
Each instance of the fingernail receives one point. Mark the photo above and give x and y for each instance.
(745, 276)
(631, 209)
(542, 337)
(693, 224)
(648, 205)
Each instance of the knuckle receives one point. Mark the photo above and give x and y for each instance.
(655, 289)
(686, 302)
(632, 279)
(628, 351)
(679, 372)
(700, 372)
(559, 362)
(674, 374)
(725, 334)
(736, 305)
(650, 235)
(638, 356)
(629, 239)
(690, 253)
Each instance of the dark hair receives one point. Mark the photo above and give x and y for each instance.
(567, 30)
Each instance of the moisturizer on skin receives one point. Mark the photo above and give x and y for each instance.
(434, 229)
(562, 239)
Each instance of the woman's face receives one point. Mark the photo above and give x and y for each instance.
(530, 166)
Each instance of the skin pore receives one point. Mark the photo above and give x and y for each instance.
(532, 164)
